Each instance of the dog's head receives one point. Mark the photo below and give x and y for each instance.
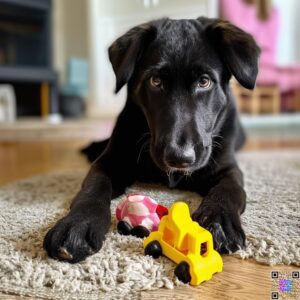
(178, 72)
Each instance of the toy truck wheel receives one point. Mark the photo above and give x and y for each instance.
(124, 228)
(140, 231)
(153, 249)
(182, 271)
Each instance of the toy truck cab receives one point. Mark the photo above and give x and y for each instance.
(186, 243)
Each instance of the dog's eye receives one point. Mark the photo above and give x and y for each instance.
(204, 82)
(155, 81)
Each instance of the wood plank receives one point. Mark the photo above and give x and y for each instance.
(240, 280)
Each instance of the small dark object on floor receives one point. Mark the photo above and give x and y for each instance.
(71, 106)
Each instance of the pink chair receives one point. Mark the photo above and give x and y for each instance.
(265, 32)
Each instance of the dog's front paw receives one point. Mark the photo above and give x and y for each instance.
(224, 224)
(75, 237)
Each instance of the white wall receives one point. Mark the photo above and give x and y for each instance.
(109, 19)
(69, 32)
(288, 47)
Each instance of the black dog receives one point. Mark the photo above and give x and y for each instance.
(179, 127)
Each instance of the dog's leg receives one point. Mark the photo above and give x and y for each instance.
(220, 211)
(83, 230)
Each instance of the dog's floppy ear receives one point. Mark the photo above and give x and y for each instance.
(236, 48)
(126, 51)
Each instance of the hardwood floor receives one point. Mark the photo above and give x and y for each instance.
(239, 280)
(24, 159)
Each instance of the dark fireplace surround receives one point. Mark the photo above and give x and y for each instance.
(26, 52)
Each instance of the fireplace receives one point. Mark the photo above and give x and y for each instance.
(26, 55)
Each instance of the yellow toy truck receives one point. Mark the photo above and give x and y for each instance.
(186, 243)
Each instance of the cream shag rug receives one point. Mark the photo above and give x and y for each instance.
(29, 207)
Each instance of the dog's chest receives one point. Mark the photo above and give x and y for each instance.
(147, 171)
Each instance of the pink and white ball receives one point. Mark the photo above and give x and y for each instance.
(138, 215)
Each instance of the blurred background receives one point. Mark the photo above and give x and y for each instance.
(56, 83)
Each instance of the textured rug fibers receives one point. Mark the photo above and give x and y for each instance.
(120, 270)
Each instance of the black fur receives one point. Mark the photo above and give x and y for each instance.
(180, 132)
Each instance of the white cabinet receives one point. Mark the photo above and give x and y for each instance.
(108, 20)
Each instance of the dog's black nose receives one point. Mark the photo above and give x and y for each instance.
(180, 159)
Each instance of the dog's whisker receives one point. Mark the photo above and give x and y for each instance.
(145, 144)
(217, 145)
(142, 137)
(217, 136)
(187, 174)
(214, 161)
(169, 173)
